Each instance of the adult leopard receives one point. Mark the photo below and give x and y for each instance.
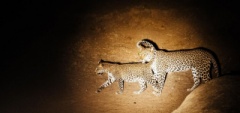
(199, 61)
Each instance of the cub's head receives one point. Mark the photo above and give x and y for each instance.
(146, 55)
(100, 68)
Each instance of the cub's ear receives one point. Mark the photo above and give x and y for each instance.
(100, 61)
(100, 65)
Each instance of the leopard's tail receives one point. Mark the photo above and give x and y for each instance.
(215, 66)
(143, 44)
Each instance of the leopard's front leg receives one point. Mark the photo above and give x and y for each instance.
(110, 80)
(156, 87)
(104, 85)
(160, 78)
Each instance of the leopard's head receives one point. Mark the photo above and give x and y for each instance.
(100, 68)
(146, 55)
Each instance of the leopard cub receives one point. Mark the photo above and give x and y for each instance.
(129, 72)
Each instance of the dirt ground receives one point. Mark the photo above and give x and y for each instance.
(55, 74)
(113, 36)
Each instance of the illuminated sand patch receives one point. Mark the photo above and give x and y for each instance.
(113, 37)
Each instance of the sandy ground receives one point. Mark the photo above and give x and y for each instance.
(55, 72)
(113, 36)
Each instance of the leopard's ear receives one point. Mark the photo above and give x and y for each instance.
(139, 45)
(152, 49)
(99, 62)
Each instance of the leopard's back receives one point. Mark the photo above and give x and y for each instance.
(173, 61)
(134, 72)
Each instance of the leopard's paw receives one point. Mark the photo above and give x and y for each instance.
(118, 92)
(156, 93)
(136, 92)
(98, 91)
(189, 90)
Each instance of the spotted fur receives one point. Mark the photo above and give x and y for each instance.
(129, 72)
(199, 61)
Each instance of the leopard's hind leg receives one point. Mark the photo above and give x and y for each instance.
(143, 86)
(121, 86)
(196, 79)
(205, 73)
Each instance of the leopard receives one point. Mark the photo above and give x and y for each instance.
(127, 72)
(200, 61)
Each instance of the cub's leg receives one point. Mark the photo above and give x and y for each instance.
(143, 86)
(121, 86)
(106, 84)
